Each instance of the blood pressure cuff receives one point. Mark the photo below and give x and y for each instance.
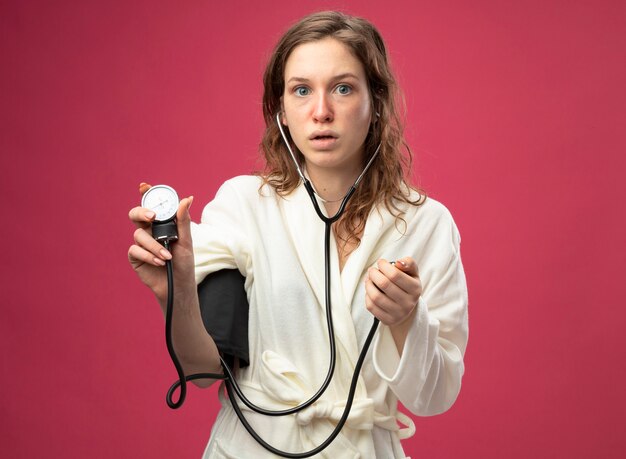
(224, 309)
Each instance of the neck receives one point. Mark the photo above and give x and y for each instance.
(331, 185)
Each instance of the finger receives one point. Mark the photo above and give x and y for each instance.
(388, 312)
(403, 290)
(141, 217)
(138, 255)
(378, 296)
(183, 219)
(145, 240)
(143, 187)
(403, 273)
(378, 312)
(385, 284)
(408, 266)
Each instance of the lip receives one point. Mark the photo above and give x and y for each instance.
(323, 140)
(324, 134)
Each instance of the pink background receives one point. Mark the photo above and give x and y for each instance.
(516, 116)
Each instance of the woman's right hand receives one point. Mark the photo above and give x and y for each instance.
(147, 256)
(196, 350)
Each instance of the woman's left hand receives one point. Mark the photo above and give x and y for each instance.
(393, 290)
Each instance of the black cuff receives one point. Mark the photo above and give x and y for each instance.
(224, 308)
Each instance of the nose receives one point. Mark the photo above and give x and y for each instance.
(323, 111)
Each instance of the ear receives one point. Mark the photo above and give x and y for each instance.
(283, 118)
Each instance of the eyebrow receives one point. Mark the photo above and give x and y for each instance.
(341, 76)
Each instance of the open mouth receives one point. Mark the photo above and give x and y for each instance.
(323, 136)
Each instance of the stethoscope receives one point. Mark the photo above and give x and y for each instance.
(164, 201)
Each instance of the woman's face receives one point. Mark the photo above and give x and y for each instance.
(326, 105)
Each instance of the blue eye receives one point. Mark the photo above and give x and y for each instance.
(302, 91)
(344, 89)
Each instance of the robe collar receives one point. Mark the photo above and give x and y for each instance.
(306, 230)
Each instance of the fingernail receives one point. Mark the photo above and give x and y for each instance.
(150, 215)
(159, 262)
(165, 254)
(190, 202)
(143, 187)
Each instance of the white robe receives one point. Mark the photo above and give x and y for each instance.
(278, 245)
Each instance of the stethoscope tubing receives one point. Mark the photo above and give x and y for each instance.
(232, 388)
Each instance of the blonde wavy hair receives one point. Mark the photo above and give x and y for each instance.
(387, 180)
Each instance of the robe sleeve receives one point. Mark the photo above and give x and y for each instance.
(427, 377)
(219, 240)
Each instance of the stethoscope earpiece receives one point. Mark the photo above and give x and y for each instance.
(231, 385)
(295, 161)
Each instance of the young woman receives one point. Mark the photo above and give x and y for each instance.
(329, 86)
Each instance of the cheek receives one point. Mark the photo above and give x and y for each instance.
(362, 112)
(292, 114)
(362, 117)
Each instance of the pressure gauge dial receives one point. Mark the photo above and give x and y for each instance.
(162, 200)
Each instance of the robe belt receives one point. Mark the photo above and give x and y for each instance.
(282, 386)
